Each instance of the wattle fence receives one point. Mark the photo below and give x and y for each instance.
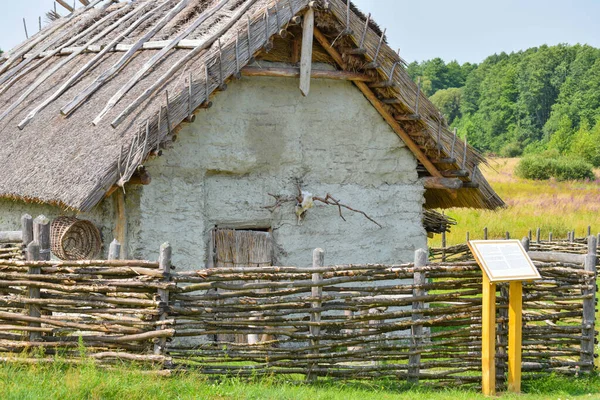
(416, 322)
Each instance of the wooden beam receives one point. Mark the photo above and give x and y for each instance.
(442, 183)
(550, 257)
(65, 5)
(407, 117)
(292, 72)
(295, 51)
(389, 118)
(444, 161)
(120, 232)
(84, 2)
(306, 54)
(11, 237)
(455, 173)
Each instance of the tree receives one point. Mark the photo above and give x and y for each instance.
(561, 139)
(448, 102)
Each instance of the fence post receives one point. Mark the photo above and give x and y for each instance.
(530, 235)
(589, 310)
(41, 234)
(315, 317)
(27, 229)
(538, 235)
(444, 246)
(114, 250)
(507, 235)
(468, 237)
(550, 236)
(485, 233)
(164, 264)
(414, 359)
(589, 230)
(33, 254)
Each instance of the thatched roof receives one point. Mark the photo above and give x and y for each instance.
(84, 102)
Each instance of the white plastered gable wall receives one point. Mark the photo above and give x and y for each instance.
(258, 138)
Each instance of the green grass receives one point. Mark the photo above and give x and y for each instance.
(87, 382)
(553, 206)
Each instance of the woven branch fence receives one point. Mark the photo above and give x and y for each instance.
(461, 252)
(413, 322)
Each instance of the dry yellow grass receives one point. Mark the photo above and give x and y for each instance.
(556, 207)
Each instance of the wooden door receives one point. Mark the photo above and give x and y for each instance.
(238, 249)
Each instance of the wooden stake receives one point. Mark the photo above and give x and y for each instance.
(114, 251)
(317, 293)
(589, 309)
(414, 359)
(306, 53)
(26, 229)
(33, 254)
(164, 262)
(41, 235)
(488, 337)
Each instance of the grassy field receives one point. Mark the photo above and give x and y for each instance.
(555, 207)
(87, 382)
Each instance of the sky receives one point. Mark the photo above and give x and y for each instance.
(462, 30)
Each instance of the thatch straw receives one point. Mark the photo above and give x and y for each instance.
(69, 162)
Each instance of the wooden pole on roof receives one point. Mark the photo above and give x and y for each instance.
(157, 58)
(107, 75)
(65, 5)
(25, 27)
(379, 106)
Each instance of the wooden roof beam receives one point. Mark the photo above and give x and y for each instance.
(379, 106)
(294, 72)
(442, 183)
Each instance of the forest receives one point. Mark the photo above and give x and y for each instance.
(541, 100)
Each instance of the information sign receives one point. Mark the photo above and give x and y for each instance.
(504, 260)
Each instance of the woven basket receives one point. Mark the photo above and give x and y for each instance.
(74, 239)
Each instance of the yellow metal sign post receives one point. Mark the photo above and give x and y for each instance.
(502, 261)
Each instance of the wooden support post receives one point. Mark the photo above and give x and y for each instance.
(114, 251)
(515, 335)
(33, 254)
(485, 233)
(502, 334)
(164, 264)
(530, 235)
(488, 337)
(468, 236)
(538, 235)
(515, 331)
(120, 230)
(507, 235)
(306, 54)
(550, 236)
(589, 231)
(315, 317)
(41, 235)
(26, 229)
(589, 309)
(414, 358)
